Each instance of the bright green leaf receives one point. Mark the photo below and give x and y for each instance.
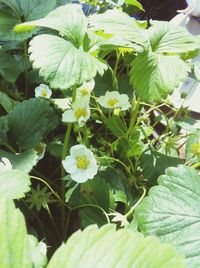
(172, 212)
(160, 75)
(14, 244)
(106, 247)
(168, 38)
(14, 183)
(61, 63)
(120, 25)
(135, 3)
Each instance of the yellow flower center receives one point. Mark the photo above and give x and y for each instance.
(43, 93)
(82, 162)
(84, 92)
(112, 102)
(196, 149)
(80, 112)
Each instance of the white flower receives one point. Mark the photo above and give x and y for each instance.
(63, 104)
(5, 164)
(85, 89)
(113, 99)
(43, 91)
(81, 164)
(80, 112)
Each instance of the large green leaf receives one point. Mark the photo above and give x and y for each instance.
(61, 63)
(120, 25)
(167, 38)
(160, 75)
(172, 212)
(69, 20)
(106, 247)
(29, 121)
(14, 183)
(14, 244)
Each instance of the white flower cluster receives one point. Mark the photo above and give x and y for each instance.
(80, 109)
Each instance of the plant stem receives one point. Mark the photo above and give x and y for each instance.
(64, 153)
(134, 117)
(130, 212)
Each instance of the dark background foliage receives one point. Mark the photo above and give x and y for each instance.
(161, 9)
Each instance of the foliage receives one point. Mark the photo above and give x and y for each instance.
(87, 131)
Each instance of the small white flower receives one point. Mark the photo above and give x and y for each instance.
(80, 112)
(5, 164)
(85, 89)
(63, 104)
(113, 99)
(81, 164)
(43, 91)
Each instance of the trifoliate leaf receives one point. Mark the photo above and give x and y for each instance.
(106, 247)
(61, 63)
(160, 75)
(172, 212)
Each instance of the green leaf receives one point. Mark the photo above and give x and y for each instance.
(6, 102)
(29, 121)
(13, 237)
(61, 63)
(13, 4)
(154, 164)
(162, 74)
(14, 183)
(106, 247)
(119, 25)
(36, 9)
(22, 10)
(172, 212)
(24, 161)
(168, 38)
(68, 20)
(9, 67)
(135, 3)
(116, 126)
